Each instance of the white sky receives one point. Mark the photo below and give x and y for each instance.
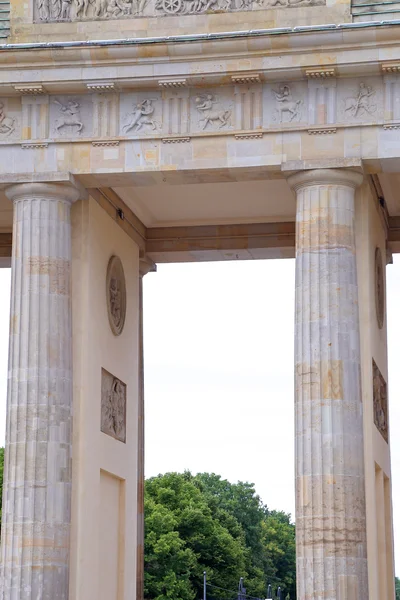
(219, 373)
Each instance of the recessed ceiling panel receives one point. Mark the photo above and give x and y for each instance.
(217, 203)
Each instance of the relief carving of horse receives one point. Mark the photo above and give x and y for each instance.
(205, 105)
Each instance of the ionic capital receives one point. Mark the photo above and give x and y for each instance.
(344, 177)
(49, 191)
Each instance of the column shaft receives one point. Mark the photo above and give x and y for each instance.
(330, 495)
(37, 470)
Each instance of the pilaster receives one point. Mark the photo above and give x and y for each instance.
(146, 265)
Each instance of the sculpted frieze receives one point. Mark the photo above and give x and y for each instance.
(9, 123)
(181, 112)
(140, 114)
(284, 103)
(70, 116)
(77, 10)
(360, 100)
(211, 111)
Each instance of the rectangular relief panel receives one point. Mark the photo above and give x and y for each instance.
(112, 539)
(380, 402)
(113, 406)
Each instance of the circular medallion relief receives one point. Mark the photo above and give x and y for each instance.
(379, 289)
(116, 295)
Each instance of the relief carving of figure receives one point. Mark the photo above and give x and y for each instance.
(141, 115)
(113, 407)
(116, 295)
(286, 104)
(82, 8)
(7, 124)
(115, 301)
(380, 401)
(100, 8)
(44, 9)
(362, 103)
(118, 8)
(65, 9)
(70, 115)
(53, 10)
(204, 105)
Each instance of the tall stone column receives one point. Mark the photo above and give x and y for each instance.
(145, 266)
(37, 472)
(330, 495)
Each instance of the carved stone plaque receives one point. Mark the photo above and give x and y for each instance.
(116, 295)
(380, 402)
(379, 289)
(113, 406)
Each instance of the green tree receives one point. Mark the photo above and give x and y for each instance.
(178, 518)
(202, 522)
(397, 587)
(279, 545)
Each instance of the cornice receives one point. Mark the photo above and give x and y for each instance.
(347, 36)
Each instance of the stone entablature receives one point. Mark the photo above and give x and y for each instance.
(175, 113)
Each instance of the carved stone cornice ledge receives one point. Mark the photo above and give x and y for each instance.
(246, 78)
(101, 86)
(30, 89)
(175, 140)
(322, 73)
(390, 68)
(178, 82)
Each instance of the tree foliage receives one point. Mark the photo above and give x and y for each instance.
(397, 587)
(204, 523)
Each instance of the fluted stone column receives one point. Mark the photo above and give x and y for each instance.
(330, 495)
(145, 266)
(37, 472)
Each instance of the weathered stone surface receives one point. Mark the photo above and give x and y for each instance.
(330, 495)
(37, 472)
